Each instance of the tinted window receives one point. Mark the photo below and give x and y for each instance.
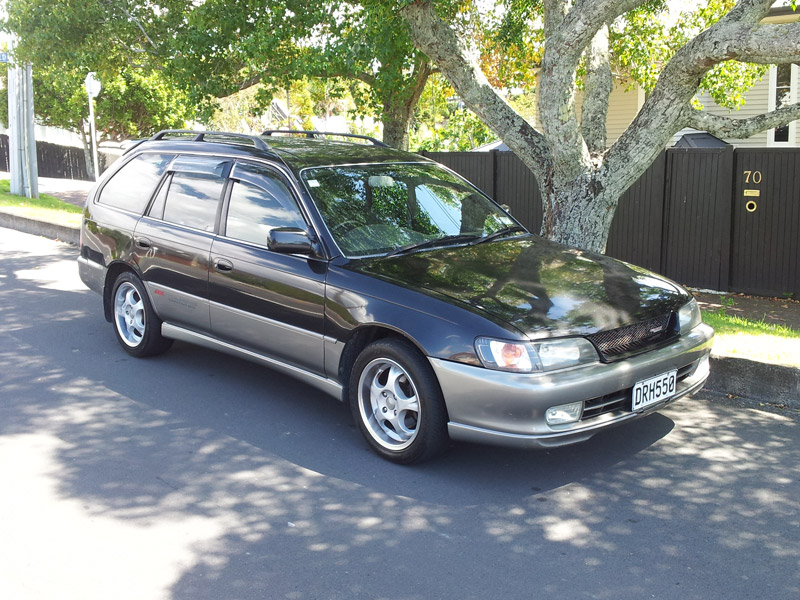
(255, 209)
(131, 187)
(157, 208)
(374, 209)
(192, 200)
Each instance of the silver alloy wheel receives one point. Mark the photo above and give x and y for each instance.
(129, 314)
(389, 404)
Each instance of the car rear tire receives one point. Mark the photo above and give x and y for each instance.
(397, 402)
(136, 325)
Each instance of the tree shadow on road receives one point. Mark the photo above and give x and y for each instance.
(279, 497)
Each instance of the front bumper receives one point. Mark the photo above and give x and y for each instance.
(508, 409)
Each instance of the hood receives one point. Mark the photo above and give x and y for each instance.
(539, 287)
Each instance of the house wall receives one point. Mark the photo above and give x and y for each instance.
(756, 103)
(623, 106)
(52, 135)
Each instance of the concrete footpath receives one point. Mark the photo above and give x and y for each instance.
(772, 384)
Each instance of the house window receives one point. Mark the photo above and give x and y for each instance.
(782, 92)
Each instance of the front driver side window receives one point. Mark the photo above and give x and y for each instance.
(259, 202)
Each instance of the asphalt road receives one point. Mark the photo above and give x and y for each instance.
(195, 475)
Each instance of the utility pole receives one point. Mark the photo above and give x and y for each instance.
(22, 139)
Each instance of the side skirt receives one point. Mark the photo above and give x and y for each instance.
(185, 335)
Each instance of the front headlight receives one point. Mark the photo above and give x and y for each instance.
(689, 316)
(534, 357)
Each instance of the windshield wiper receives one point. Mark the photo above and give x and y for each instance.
(501, 232)
(430, 243)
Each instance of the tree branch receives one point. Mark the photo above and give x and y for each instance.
(367, 78)
(139, 25)
(767, 45)
(462, 69)
(735, 36)
(599, 83)
(554, 13)
(730, 127)
(568, 35)
(583, 21)
(422, 72)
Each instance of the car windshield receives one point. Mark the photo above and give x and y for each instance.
(379, 209)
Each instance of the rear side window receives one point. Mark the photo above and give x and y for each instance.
(192, 200)
(131, 187)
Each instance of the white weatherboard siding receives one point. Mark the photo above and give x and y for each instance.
(757, 101)
(623, 106)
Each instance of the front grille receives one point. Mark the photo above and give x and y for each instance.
(622, 399)
(614, 343)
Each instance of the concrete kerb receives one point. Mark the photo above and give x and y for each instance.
(71, 235)
(737, 377)
(742, 378)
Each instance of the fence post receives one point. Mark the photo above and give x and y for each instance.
(494, 174)
(725, 200)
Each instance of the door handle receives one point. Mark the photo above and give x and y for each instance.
(142, 243)
(222, 265)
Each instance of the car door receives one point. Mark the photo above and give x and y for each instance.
(269, 302)
(173, 241)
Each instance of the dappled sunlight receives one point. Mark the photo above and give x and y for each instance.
(197, 475)
(58, 536)
(30, 273)
(248, 502)
(61, 275)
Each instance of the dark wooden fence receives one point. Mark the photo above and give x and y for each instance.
(721, 219)
(63, 162)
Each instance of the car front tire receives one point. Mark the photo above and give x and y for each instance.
(136, 325)
(397, 402)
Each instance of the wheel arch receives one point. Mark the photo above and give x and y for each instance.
(360, 339)
(114, 270)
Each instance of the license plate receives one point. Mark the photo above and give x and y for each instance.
(654, 390)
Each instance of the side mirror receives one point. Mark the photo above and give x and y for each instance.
(289, 240)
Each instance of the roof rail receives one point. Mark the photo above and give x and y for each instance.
(200, 136)
(311, 134)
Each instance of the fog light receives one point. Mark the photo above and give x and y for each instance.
(564, 413)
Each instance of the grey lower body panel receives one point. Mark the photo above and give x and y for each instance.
(321, 383)
(92, 274)
(502, 408)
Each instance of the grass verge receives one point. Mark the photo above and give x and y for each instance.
(754, 340)
(44, 208)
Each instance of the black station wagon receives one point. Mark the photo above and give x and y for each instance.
(387, 281)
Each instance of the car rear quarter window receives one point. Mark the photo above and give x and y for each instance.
(259, 201)
(130, 188)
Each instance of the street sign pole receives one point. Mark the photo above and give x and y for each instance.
(94, 138)
(92, 90)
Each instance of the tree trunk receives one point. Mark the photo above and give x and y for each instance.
(399, 104)
(579, 212)
(580, 180)
(396, 122)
